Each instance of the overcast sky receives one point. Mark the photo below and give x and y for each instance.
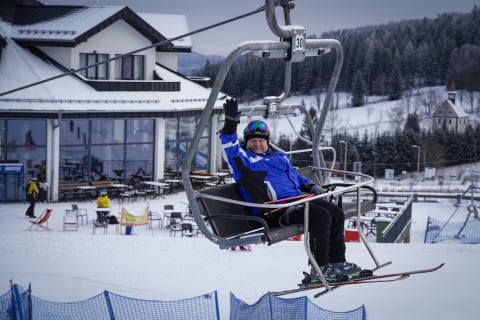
(317, 16)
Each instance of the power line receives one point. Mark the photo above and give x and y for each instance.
(260, 9)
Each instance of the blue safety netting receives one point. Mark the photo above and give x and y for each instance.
(467, 231)
(20, 304)
(269, 307)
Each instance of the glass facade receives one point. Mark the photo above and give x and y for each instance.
(97, 149)
(178, 134)
(106, 149)
(23, 144)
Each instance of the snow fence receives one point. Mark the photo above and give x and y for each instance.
(20, 304)
(467, 231)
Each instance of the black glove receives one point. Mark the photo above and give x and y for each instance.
(232, 116)
(311, 187)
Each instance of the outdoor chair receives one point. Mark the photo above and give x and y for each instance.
(70, 220)
(81, 213)
(41, 222)
(100, 222)
(166, 211)
(187, 230)
(154, 216)
(174, 227)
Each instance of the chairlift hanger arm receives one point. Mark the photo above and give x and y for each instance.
(286, 51)
(228, 62)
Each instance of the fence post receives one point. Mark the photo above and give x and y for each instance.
(109, 304)
(16, 303)
(426, 230)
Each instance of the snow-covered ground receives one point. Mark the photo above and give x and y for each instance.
(75, 265)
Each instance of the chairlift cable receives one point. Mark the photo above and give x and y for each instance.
(260, 9)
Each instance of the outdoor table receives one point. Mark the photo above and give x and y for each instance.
(201, 180)
(174, 183)
(160, 185)
(85, 190)
(119, 188)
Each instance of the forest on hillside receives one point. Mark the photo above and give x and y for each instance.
(402, 149)
(392, 61)
(383, 60)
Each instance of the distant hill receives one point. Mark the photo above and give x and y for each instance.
(189, 63)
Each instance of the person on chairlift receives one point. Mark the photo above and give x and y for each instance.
(264, 175)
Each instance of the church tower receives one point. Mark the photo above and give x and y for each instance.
(452, 92)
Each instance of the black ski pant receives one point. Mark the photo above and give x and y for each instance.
(31, 208)
(326, 229)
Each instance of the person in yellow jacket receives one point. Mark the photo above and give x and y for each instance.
(32, 194)
(103, 201)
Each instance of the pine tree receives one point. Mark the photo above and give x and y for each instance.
(358, 94)
(395, 85)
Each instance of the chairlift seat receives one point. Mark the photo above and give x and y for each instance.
(230, 220)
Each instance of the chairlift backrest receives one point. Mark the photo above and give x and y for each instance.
(225, 227)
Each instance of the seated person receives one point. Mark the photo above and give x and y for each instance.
(103, 201)
(264, 175)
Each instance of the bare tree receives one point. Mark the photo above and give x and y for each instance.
(369, 112)
(397, 114)
(407, 98)
(428, 101)
(333, 122)
(378, 123)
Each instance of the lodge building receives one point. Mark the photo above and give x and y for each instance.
(130, 117)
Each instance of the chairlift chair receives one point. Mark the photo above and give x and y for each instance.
(221, 215)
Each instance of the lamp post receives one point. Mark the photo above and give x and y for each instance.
(345, 160)
(418, 160)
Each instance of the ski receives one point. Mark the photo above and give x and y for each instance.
(388, 277)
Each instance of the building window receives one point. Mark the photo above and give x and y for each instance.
(98, 72)
(130, 67)
(22, 141)
(96, 149)
(178, 135)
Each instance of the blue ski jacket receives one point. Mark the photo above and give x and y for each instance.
(272, 171)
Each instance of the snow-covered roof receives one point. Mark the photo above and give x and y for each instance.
(171, 26)
(450, 110)
(70, 25)
(19, 67)
(67, 27)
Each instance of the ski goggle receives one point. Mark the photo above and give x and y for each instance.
(255, 127)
